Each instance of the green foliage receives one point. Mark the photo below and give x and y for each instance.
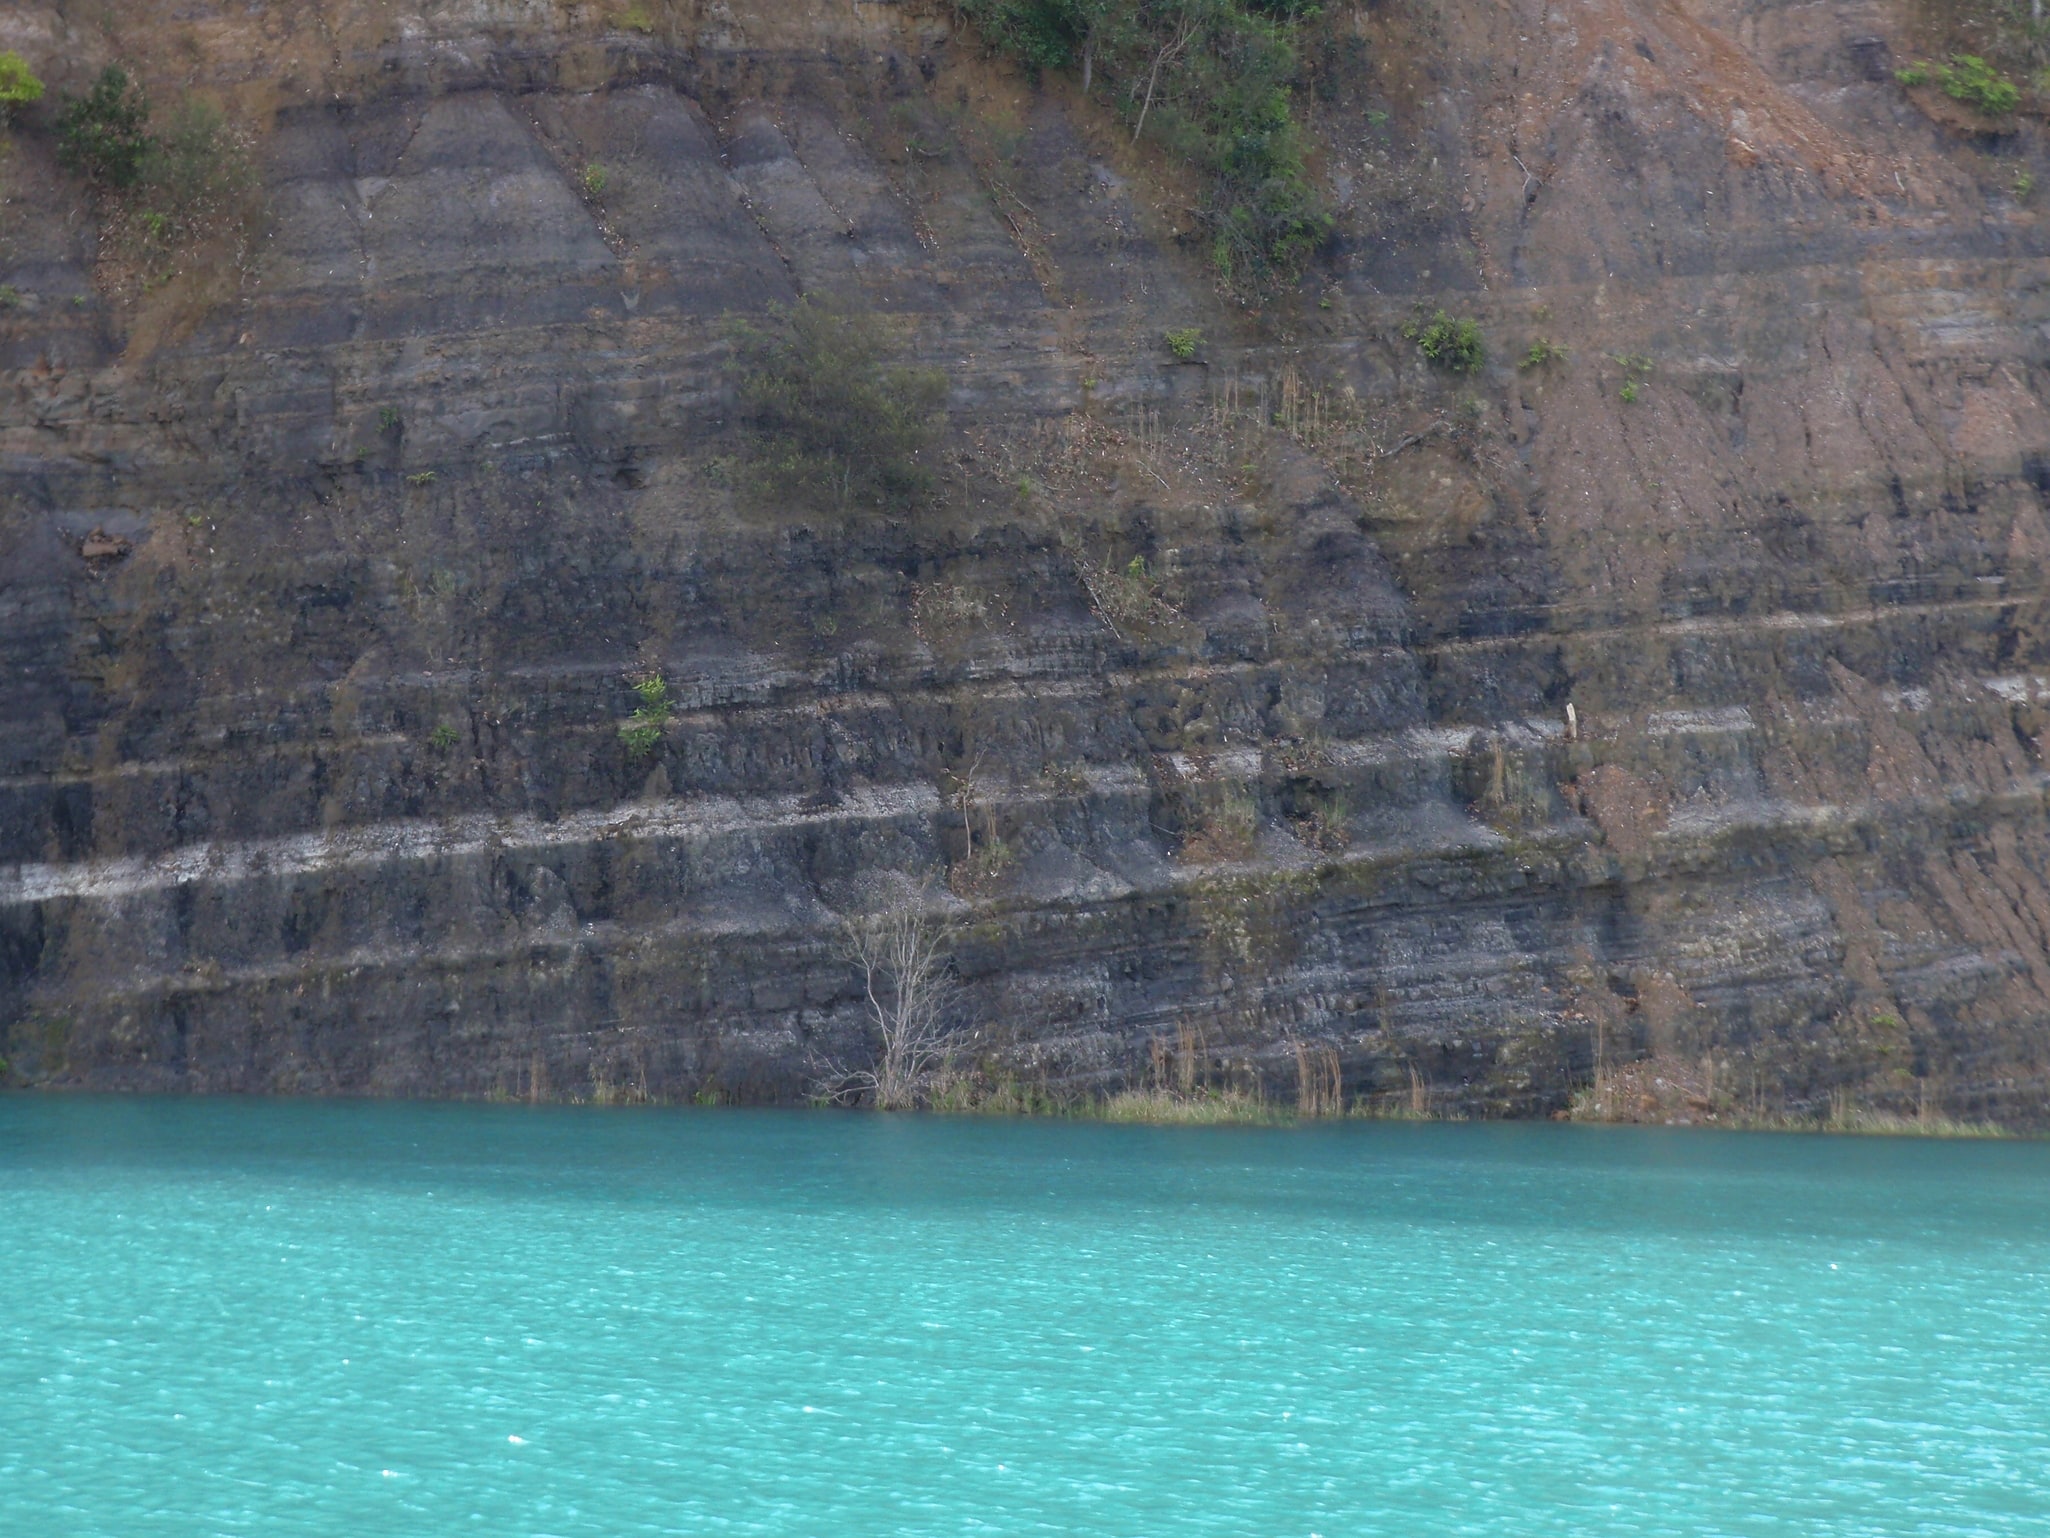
(421, 478)
(104, 135)
(443, 737)
(388, 419)
(1184, 342)
(1629, 393)
(1213, 82)
(2024, 183)
(10, 297)
(1971, 80)
(1542, 351)
(18, 85)
(595, 181)
(835, 421)
(1912, 74)
(642, 731)
(1453, 345)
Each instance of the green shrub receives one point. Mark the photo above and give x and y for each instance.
(1213, 81)
(443, 737)
(1971, 80)
(18, 85)
(104, 135)
(1184, 342)
(1912, 74)
(10, 297)
(1453, 345)
(642, 731)
(595, 180)
(1542, 351)
(834, 420)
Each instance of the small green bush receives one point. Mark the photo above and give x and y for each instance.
(1453, 345)
(18, 85)
(443, 737)
(1971, 80)
(642, 731)
(835, 421)
(595, 180)
(1542, 351)
(1912, 74)
(104, 135)
(10, 297)
(1184, 342)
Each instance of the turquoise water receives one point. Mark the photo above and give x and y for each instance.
(248, 1317)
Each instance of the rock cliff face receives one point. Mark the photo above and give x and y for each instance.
(1677, 698)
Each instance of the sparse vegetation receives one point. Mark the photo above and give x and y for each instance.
(1211, 81)
(834, 420)
(1184, 342)
(1636, 371)
(19, 86)
(1542, 351)
(421, 478)
(10, 297)
(1454, 345)
(104, 135)
(642, 731)
(197, 171)
(595, 181)
(443, 737)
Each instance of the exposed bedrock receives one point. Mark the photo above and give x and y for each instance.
(321, 591)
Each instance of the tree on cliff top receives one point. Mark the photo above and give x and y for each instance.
(1211, 82)
(834, 420)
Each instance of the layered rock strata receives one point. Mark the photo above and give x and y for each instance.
(1680, 694)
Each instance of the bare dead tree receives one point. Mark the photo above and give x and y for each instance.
(1187, 25)
(901, 951)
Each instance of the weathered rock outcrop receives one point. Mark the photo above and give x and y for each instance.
(310, 770)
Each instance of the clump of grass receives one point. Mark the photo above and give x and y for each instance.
(1542, 351)
(1209, 1107)
(1454, 345)
(1183, 342)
